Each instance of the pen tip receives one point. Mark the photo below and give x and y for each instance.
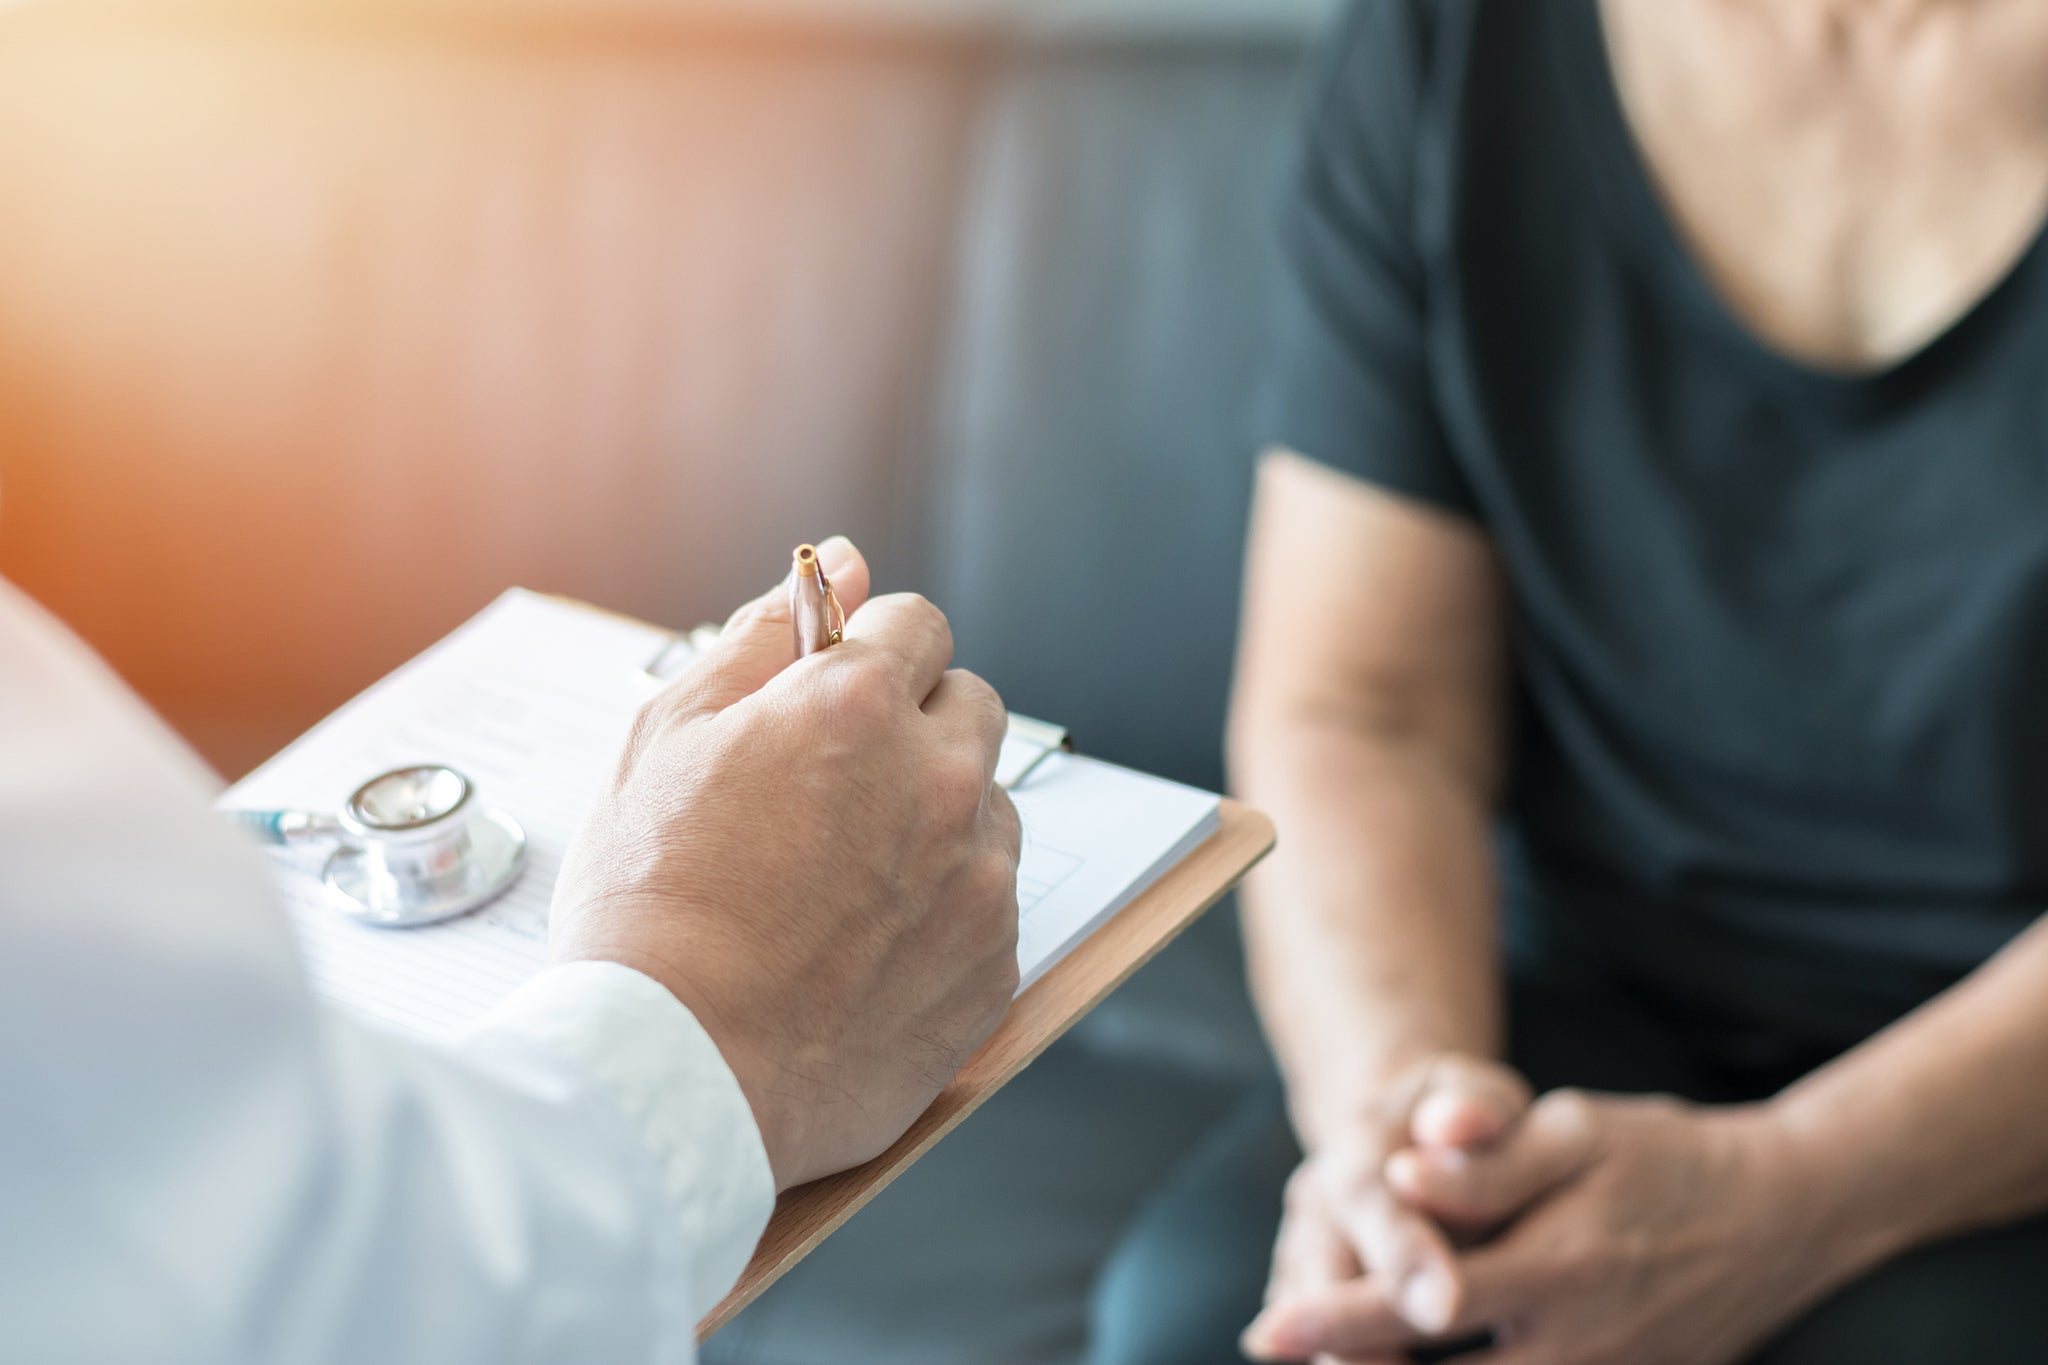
(806, 560)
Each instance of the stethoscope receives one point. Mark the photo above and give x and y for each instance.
(415, 846)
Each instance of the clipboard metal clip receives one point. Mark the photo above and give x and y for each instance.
(1041, 739)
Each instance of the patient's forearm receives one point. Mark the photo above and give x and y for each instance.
(1368, 720)
(1371, 932)
(1937, 1125)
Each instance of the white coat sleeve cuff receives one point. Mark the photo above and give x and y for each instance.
(645, 1053)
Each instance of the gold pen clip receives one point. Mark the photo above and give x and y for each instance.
(815, 616)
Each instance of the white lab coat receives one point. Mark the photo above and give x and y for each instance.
(201, 1163)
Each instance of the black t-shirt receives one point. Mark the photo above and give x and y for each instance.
(1781, 634)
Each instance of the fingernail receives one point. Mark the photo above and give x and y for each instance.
(1450, 1121)
(1427, 1300)
(1255, 1342)
(1404, 1171)
(834, 554)
(1275, 1336)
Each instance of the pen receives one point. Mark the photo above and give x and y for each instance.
(814, 613)
(819, 622)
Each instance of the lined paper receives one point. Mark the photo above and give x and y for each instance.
(532, 700)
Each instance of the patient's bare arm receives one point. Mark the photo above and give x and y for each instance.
(1367, 720)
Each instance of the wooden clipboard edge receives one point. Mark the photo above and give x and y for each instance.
(1057, 1001)
(1079, 982)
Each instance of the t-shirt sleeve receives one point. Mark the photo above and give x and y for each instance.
(1349, 385)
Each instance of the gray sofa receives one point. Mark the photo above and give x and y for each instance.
(620, 301)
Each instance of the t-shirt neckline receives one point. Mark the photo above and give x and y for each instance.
(1621, 182)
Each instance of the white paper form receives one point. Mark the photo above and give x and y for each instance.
(532, 700)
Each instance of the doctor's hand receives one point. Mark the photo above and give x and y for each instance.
(814, 857)
(1352, 1241)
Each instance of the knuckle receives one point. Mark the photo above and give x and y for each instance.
(1009, 824)
(991, 979)
(957, 784)
(1004, 974)
(1478, 1079)
(659, 716)
(856, 693)
(1569, 1112)
(1505, 1079)
(992, 885)
(923, 607)
(754, 613)
(941, 627)
(922, 612)
(979, 693)
(1663, 1105)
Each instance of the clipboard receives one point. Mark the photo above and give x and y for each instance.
(1079, 982)
(804, 1217)
(490, 667)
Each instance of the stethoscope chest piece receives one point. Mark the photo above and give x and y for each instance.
(418, 848)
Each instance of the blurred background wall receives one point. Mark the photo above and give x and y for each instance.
(320, 325)
(315, 333)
